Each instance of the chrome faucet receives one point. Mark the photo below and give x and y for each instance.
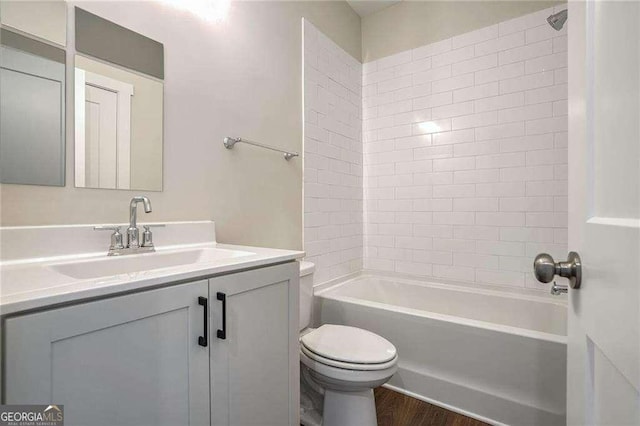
(133, 240)
(133, 245)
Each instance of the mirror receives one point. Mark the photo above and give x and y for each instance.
(32, 110)
(118, 107)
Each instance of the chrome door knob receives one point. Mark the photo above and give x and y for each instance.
(545, 269)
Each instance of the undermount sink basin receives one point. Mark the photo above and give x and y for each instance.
(129, 264)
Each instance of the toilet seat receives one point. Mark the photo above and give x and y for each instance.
(347, 365)
(351, 345)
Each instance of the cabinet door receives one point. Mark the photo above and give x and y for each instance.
(255, 367)
(127, 360)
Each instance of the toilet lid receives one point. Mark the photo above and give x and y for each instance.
(349, 344)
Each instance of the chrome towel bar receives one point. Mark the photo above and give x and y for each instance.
(229, 142)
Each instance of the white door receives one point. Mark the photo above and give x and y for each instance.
(254, 350)
(101, 121)
(604, 213)
(129, 360)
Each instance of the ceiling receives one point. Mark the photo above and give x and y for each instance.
(367, 7)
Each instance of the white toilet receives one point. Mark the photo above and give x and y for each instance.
(345, 363)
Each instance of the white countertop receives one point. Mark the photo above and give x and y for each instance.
(27, 284)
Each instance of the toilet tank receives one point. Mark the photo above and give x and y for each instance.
(306, 293)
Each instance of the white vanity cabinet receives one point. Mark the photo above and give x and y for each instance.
(126, 360)
(254, 365)
(140, 359)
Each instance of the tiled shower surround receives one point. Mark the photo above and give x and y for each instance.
(333, 186)
(465, 158)
(465, 153)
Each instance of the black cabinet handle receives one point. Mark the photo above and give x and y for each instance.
(222, 334)
(202, 340)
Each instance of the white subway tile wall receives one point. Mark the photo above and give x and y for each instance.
(333, 171)
(465, 155)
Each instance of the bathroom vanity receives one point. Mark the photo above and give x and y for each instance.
(196, 333)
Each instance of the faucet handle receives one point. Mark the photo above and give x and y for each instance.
(147, 236)
(116, 237)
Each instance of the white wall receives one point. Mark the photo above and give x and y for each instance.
(465, 150)
(333, 229)
(239, 77)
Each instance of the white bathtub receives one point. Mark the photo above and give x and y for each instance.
(492, 355)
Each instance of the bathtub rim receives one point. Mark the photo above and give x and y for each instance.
(325, 292)
(492, 289)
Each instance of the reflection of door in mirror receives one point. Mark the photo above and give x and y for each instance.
(103, 131)
(100, 133)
